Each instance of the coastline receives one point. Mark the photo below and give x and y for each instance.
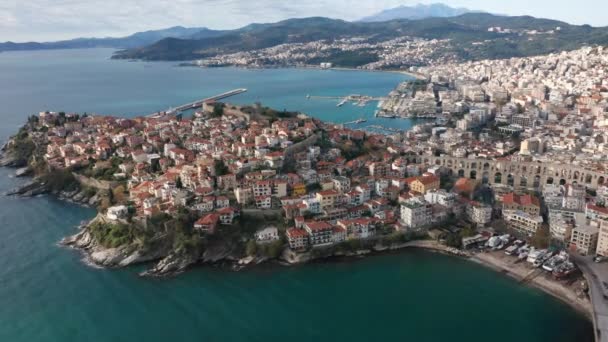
(305, 67)
(535, 278)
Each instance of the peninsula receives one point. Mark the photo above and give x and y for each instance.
(512, 165)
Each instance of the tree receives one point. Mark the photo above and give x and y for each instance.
(119, 194)
(252, 248)
(542, 237)
(220, 168)
(218, 110)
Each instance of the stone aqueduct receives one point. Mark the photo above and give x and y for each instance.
(525, 174)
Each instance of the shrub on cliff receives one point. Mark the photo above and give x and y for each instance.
(59, 180)
(112, 235)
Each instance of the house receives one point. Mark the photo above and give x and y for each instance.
(339, 235)
(243, 195)
(297, 238)
(263, 202)
(117, 212)
(327, 198)
(226, 215)
(207, 223)
(424, 183)
(584, 238)
(298, 189)
(416, 213)
(478, 213)
(523, 222)
(268, 234)
(222, 202)
(527, 203)
(319, 232)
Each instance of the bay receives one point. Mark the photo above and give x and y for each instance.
(48, 294)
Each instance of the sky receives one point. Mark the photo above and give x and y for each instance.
(47, 20)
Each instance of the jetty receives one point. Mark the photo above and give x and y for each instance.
(360, 100)
(197, 104)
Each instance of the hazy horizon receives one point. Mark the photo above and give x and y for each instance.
(51, 20)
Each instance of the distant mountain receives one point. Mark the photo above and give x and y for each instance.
(469, 36)
(419, 11)
(135, 40)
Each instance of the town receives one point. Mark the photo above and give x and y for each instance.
(518, 151)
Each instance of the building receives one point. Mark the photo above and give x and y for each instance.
(425, 183)
(416, 213)
(243, 196)
(117, 212)
(528, 204)
(207, 223)
(319, 232)
(480, 214)
(584, 238)
(602, 239)
(268, 234)
(523, 222)
(341, 183)
(297, 238)
(442, 197)
(327, 198)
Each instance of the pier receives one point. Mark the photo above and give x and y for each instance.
(357, 99)
(197, 104)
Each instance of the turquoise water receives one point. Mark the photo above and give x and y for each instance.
(48, 294)
(87, 81)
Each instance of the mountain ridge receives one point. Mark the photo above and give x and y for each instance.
(471, 34)
(132, 41)
(419, 11)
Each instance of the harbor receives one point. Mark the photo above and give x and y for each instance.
(197, 104)
(356, 99)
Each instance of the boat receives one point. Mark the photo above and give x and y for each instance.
(553, 262)
(358, 121)
(511, 250)
(341, 103)
(523, 255)
(564, 270)
(535, 256)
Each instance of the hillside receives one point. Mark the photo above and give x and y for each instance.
(469, 36)
(135, 40)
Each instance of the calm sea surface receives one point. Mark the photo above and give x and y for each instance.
(48, 294)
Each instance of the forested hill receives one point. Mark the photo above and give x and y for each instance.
(471, 35)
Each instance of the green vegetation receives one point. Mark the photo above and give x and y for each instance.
(221, 168)
(59, 180)
(218, 110)
(462, 31)
(112, 235)
(542, 237)
(347, 59)
(23, 148)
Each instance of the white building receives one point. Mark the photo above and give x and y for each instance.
(416, 213)
(479, 214)
(523, 222)
(441, 197)
(117, 212)
(267, 234)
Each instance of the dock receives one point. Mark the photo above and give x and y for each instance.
(197, 104)
(360, 100)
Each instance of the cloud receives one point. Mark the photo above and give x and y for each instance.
(59, 19)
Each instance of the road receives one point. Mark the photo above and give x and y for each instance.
(597, 277)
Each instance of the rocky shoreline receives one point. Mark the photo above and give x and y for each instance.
(168, 263)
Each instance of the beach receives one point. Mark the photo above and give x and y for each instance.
(563, 290)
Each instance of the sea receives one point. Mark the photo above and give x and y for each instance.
(48, 293)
